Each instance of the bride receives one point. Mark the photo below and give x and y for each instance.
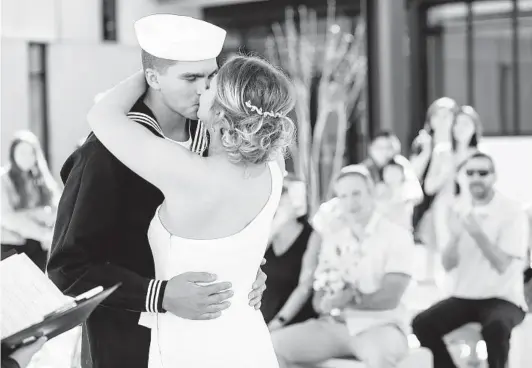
(217, 211)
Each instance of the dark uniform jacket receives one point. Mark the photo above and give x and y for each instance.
(100, 238)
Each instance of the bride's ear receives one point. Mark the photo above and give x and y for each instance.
(152, 79)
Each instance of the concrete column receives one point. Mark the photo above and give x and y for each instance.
(388, 63)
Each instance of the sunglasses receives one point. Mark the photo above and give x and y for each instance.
(481, 173)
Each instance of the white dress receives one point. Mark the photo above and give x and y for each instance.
(240, 337)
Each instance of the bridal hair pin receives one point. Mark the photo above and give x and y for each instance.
(259, 111)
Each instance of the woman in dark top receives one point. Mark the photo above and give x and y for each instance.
(437, 129)
(284, 261)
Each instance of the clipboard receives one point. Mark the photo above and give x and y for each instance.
(65, 318)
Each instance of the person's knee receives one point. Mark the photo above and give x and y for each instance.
(385, 347)
(421, 324)
(279, 345)
(384, 356)
(395, 349)
(496, 330)
(284, 343)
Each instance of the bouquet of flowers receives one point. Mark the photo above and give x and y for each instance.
(330, 281)
(335, 280)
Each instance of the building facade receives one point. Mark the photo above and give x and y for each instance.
(58, 54)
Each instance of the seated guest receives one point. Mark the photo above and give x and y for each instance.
(384, 148)
(363, 269)
(29, 200)
(287, 298)
(389, 195)
(487, 251)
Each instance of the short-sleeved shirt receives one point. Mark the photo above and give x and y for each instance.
(505, 223)
(383, 248)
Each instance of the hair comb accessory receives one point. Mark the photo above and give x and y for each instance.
(259, 111)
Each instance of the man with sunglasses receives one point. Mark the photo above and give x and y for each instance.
(487, 251)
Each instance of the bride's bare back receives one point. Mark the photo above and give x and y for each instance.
(219, 207)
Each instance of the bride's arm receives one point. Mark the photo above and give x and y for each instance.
(159, 161)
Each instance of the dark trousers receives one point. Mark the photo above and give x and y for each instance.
(496, 316)
(113, 338)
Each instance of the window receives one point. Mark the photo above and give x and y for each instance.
(447, 52)
(524, 65)
(505, 91)
(480, 53)
(38, 115)
(109, 20)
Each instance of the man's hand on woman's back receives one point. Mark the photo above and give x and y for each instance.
(186, 297)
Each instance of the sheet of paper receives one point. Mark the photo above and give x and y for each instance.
(27, 294)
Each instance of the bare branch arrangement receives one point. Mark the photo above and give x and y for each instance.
(339, 60)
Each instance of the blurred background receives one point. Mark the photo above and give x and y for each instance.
(58, 54)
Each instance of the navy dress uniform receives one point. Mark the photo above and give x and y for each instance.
(104, 213)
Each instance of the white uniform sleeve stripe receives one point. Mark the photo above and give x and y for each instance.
(156, 298)
(148, 296)
(155, 292)
(153, 301)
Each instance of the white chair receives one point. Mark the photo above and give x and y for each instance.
(465, 339)
(417, 358)
(469, 335)
(519, 356)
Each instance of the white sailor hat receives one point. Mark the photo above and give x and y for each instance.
(180, 38)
